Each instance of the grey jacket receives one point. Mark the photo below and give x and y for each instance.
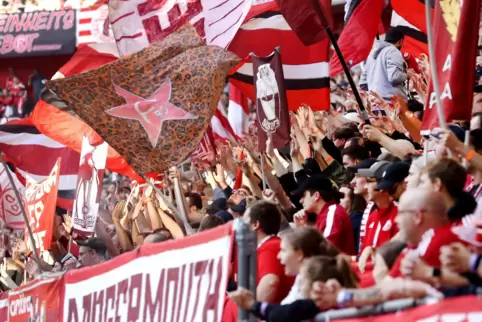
(385, 71)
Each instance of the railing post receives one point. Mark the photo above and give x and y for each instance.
(246, 242)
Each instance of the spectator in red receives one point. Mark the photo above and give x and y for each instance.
(273, 285)
(92, 251)
(426, 227)
(10, 79)
(319, 197)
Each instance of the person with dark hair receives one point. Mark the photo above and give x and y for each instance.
(447, 176)
(155, 238)
(355, 206)
(273, 285)
(210, 222)
(385, 71)
(195, 204)
(343, 134)
(321, 198)
(92, 251)
(354, 154)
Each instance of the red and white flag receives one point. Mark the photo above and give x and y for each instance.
(306, 69)
(40, 200)
(238, 111)
(23, 146)
(89, 187)
(138, 23)
(415, 40)
(93, 25)
(10, 208)
(221, 127)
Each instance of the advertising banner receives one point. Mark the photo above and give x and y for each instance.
(38, 33)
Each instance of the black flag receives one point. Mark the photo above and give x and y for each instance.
(271, 102)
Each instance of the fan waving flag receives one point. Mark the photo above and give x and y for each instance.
(138, 23)
(356, 39)
(153, 106)
(306, 69)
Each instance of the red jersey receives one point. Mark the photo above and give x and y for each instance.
(381, 227)
(335, 225)
(429, 248)
(268, 263)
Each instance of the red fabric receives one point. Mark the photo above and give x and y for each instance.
(268, 263)
(366, 278)
(455, 54)
(239, 175)
(413, 11)
(357, 37)
(429, 248)
(302, 18)
(383, 222)
(230, 311)
(335, 225)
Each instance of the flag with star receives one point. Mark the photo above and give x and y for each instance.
(153, 106)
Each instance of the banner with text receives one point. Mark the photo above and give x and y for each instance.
(35, 301)
(179, 280)
(40, 204)
(89, 187)
(37, 33)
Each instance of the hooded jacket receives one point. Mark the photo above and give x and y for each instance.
(385, 71)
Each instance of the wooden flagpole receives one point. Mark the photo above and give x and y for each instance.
(24, 213)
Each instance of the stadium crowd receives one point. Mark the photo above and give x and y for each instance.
(351, 214)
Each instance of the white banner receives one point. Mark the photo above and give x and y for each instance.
(89, 187)
(181, 280)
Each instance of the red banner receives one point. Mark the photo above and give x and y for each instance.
(459, 309)
(456, 26)
(35, 301)
(40, 203)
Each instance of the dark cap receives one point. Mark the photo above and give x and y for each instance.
(364, 164)
(94, 243)
(375, 171)
(317, 183)
(394, 173)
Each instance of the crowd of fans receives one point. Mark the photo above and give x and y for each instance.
(18, 100)
(351, 214)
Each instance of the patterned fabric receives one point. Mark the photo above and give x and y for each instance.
(153, 106)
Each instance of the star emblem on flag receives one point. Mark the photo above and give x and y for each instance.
(151, 112)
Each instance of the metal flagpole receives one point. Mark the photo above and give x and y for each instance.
(24, 213)
(262, 172)
(319, 12)
(433, 66)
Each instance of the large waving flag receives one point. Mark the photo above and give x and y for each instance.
(306, 69)
(34, 154)
(413, 11)
(138, 23)
(154, 106)
(415, 41)
(356, 39)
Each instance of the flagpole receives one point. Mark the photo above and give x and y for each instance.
(433, 66)
(324, 22)
(24, 213)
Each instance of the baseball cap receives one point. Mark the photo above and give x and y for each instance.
(94, 243)
(318, 182)
(364, 164)
(375, 171)
(394, 173)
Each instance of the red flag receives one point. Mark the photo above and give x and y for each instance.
(356, 39)
(456, 35)
(303, 20)
(40, 206)
(238, 111)
(306, 69)
(415, 40)
(154, 106)
(413, 11)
